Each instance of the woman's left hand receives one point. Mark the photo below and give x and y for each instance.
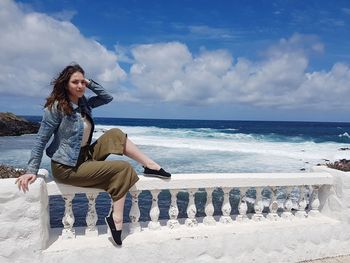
(24, 180)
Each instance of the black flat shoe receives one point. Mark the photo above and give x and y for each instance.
(161, 173)
(116, 234)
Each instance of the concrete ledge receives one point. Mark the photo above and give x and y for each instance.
(261, 242)
(209, 180)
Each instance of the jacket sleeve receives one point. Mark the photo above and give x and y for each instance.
(103, 97)
(50, 122)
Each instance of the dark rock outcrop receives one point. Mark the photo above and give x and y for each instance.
(12, 125)
(343, 165)
(10, 172)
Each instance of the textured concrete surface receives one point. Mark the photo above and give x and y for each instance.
(340, 259)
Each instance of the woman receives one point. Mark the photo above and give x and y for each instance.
(74, 160)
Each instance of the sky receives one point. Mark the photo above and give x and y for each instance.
(184, 59)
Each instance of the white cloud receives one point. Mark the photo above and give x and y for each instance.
(34, 47)
(168, 71)
(211, 32)
(123, 54)
(66, 15)
(162, 65)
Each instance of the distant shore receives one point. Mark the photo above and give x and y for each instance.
(12, 125)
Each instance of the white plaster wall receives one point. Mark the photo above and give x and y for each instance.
(24, 233)
(335, 200)
(23, 221)
(261, 242)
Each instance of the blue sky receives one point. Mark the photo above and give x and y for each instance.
(239, 60)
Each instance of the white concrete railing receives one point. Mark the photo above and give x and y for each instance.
(25, 234)
(305, 203)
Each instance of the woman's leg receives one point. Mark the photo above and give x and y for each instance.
(133, 152)
(118, 211)
(114, 141)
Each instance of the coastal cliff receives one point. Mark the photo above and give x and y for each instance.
(12, 125)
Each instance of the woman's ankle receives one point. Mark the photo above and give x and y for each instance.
(153, 166)
(118, 222)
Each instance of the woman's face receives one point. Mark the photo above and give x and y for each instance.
(76, 86)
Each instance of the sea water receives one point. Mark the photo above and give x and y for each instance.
(201, 146)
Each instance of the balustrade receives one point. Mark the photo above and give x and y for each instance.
(134, 214)
(91, 217)
(258, 206)
(292, 183)
(209, 209)
(68, 218)
(173, 211)
(301, 213)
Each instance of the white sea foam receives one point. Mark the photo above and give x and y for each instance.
(240, 143)
(345, 134)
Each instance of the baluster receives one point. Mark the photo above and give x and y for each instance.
(173, 211)
(191, 210)
(288, 205)
(273, 216)
(209, 209)
(154, 213)
(258, 206)
(315, 202)
(134, 213)
(68, 218)
(301, 213)
(226, 207)
(242, 207)
(91, 216)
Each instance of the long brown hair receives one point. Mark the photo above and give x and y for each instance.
(59, 92)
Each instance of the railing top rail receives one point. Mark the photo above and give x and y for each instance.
(210, 180)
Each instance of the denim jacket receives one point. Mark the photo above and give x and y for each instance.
(67, 130)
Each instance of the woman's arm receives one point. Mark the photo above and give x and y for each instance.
(103, 97)
(50, 122)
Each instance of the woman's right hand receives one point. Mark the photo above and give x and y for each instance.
(24, 180)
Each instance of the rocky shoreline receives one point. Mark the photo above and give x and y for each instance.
(7, 171)
(12, 125)
(342, 165)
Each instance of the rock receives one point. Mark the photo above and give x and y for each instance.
(12, 125)
(344, 149)
(9, 172)
(343, 165)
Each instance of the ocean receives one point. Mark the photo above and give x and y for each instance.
(200, 146)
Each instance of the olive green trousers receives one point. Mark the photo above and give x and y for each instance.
(93, 170)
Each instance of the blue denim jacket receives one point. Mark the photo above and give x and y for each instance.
(67, 130)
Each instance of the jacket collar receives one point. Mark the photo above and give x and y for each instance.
(76, 107)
